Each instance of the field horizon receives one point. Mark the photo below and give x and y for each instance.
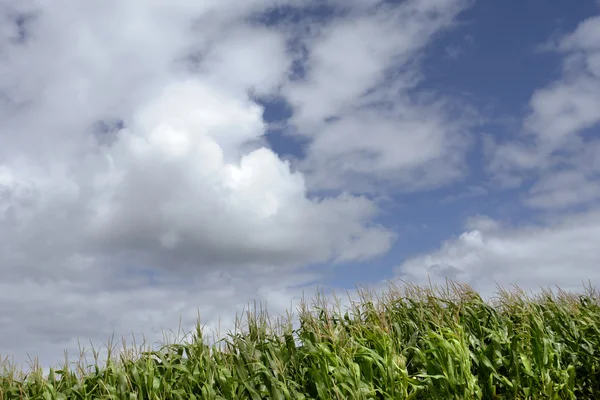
(406, 342)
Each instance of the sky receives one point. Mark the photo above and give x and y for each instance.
(164, 159)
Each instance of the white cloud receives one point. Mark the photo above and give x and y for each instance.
(232, 62)
(563, 109)
(563, 252)
(360, 73)
(557, 149)
(414, 149)
(211, 203)
(184, 184)
(563, 189)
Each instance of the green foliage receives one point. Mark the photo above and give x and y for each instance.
(412, 343)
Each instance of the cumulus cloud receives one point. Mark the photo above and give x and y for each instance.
(182, 184)
(489, 254)
(130, 148)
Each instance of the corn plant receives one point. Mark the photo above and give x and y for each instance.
(410, 342)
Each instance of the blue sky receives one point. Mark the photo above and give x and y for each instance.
(163, 158)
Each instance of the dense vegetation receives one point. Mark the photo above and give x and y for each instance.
(409, 343)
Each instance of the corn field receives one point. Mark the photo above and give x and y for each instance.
(407, 343)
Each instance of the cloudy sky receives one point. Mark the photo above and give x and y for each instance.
(164, 158)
